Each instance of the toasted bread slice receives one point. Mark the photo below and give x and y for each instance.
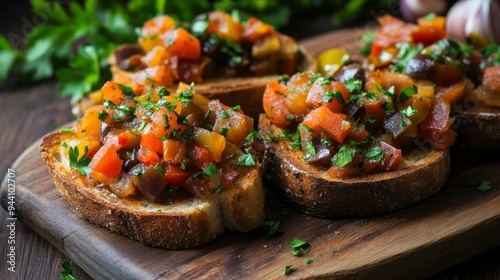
(244, 91)
(478, 128)
(309, 189)
(186, 224)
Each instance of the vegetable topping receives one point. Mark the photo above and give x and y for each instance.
(159, 145)
(355, 127)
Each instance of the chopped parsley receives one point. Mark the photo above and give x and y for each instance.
(288, 269)
(344, 156)
(408, 111)
(354, 86)
(375, 153)
(308, 261)
(224, 114)
(484, 187)
(250, 136)
(127, 90)
(388, 92)
(212, 170)
(67, 130)
(236, 108)
(389, 110)
(160, 168)
(77, 162)
(163, 92)
(271, 228)
(224, 131)
(299, 246)
(102, 115)
(67, 271)
(406, 93)
(185, 96)
(246, 160)
(406, 53)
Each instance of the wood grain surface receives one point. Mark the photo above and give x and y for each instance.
(416, 242)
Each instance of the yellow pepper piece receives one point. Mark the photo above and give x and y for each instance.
(330, 61)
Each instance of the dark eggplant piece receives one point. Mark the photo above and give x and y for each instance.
(350, 71)
(396, 124)
(421, 67)
(151, 182)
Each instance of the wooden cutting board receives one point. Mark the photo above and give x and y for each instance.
(415, 242)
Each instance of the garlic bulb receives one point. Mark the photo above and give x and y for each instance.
(413, 9)
(474, 16)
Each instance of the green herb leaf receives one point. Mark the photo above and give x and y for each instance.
(406, 93)
(375, 153)
(408, 111)
(299, 246)
(185, 96)
(160, 168)
(250, 136)
(67, 271)
(246, 160)
(77, 162)
(354, 86)
(127, 90)
(271, 228)
(344, 156)
(310, 148)
(224, 114)
(484, 187)
(236, 108)
(288, 269)
(389, 92)
(102, 115)
(308, 261)
(212, 171)
(67, 130)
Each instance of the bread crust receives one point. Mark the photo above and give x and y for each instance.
(309, 189)
(478, 128)
(183, 225)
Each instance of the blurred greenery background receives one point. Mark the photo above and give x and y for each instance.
(41, 39)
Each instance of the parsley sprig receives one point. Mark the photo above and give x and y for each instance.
(77, 162)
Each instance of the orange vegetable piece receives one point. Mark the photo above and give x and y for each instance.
(158, 75)
(212, 141)
(183, 44)
(157, 56)
(224, 25)
(200, 156)
(107, 161)
(112, 92)
(453, 93)
(320, 90)
(152, 29)
(491, 79)
(393, 31)
(256, 29)
(429, 31)
(176, 176)
(151, 141)
(90, 125)
(174, 151)
(376, 112)
(323, 119)
(393, 158)
(275, 105)
(147, 156)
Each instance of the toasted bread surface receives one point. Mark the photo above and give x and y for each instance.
(181, 225)
(309, 188)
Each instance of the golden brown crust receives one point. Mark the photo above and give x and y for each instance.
(478, 129)
(247, 91)
(184, 225)
(309, 189)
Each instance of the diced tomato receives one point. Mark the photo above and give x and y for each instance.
(112, 92)
(376, 49)
(159, 55)
(274, 104)
(323, 119)
(152, 29)
(393, 31)
(107, 161)
(147, 156)
(438, 116)
(357, 132)
(436, 126)
(151, 141)
(158, 75)
(326, 94)
(453, 93)
(176, 176)
(174, 151)
(200, 156)
(224, 25)
(90, 125)
(183, 44)
(122, 138)
(429, 31)
(491, 79)
(375, 111)
(212, 141)
(393, 158)
(234, 125)
(256, 29)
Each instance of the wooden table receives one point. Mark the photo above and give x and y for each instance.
(27, 114)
